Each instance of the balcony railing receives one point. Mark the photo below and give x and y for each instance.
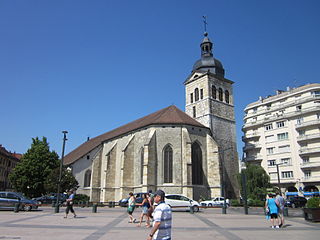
(308, 165)
(311, 179)
(282, 106)
(251, 146)
(250, 136)
(306, 124)
(308, 137)
(253, 158)
(304, 150)
(276, 116)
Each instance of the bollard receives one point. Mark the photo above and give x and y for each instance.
(110, 204)
(191, 210)
(94, 208)
(285, 212)
(16, 207)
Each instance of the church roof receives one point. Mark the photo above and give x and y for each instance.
(168, 115)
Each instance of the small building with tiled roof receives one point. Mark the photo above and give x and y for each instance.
(167, 149)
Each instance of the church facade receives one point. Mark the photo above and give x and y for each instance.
(190, 153)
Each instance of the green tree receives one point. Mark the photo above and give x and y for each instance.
(68, 181)
(257, 182)
(32, 171)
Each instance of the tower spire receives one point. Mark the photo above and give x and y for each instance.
(205, 25)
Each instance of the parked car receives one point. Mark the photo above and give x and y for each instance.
(180, 202)
(48, 199)
(8, 200)
(218, 201)
(124, 202)
(295, 201)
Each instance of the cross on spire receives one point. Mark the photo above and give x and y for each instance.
(205, 23)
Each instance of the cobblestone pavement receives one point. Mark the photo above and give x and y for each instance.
(112, 223)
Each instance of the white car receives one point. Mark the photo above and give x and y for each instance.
(218, 201)
(180, 202)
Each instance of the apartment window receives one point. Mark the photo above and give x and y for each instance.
(268, 106)
(273, 175)
(300, 120)
(191, 97)
(318, 115)
(282, 136)
(307, 174)
(269, 138)
(201, 93)
(287, 174)
(194, 112)
(298, 108)
(254, 110)
(316, 94)
(270, 150)
(285, 148)
(268, 127)
(281, 124)
(302, 132)
(285, 161)
(271, 162)
(254, 119)
(305, 160)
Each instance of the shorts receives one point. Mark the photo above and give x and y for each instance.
(130, 210)
(273, 215)
(144, 210)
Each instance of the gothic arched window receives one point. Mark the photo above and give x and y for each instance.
(141, 165)
(167, 165)
(226, 96)
(196, 159)
(87, 178)
(220, 94)
(214, 92)
(196, 94)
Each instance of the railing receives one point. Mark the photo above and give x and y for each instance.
(252, 135)
(309, 123)
(251, 146)
(308, 137)
(254, 158)
(309, 150)
(309, 165)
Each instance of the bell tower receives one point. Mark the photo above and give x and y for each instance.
(209, 100)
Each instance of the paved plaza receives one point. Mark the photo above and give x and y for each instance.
(112, 223)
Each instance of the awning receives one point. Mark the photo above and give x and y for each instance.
(310, 193)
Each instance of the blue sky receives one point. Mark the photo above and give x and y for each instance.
(91, 66)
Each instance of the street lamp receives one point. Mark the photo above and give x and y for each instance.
(60, 173)
(244, 187)
(277, 164)
(224, 207)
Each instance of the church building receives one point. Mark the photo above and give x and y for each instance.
(191, 153)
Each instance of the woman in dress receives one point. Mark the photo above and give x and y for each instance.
(145, 207)
(131, 206)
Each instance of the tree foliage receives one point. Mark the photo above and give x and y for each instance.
(37, 173)
(257, 182)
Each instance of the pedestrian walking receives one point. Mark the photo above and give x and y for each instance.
(280, 202)
(145, 205)
(272, 208)
(131, 207)
(162, 218)
(151, 202)
(70, 204)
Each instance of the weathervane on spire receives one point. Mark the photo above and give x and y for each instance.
(205, 24)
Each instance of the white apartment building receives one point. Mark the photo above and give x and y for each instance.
(282, 134)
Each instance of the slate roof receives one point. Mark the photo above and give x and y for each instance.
(168, 115)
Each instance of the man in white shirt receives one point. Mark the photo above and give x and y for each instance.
(162, 219)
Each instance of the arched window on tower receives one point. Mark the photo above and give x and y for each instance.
(196, 159)
(196, 94)
(87, 178)
(141, 164)
(214, 92)
(167, 164)
(220, 94)
(227, 96)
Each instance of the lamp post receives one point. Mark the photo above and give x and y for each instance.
(277, 164)
(60, 172)
(224, 207)
(244, 187)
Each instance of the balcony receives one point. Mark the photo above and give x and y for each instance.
(276, 117)
(257, 157)
(306, 151)
(308, 137)
(250, 146)
(250, 136)
(307, 124)
(309, 165)
(310, 179)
